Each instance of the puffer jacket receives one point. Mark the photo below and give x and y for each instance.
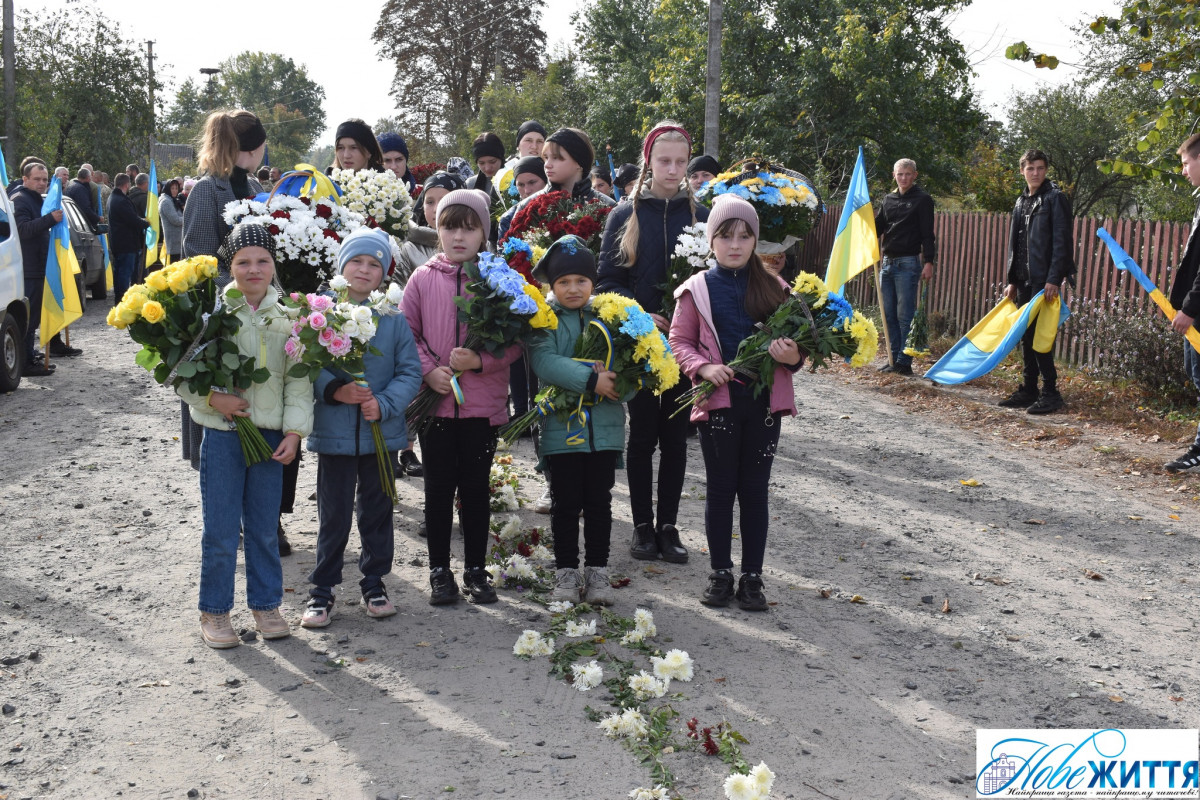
(695, 343)
(551, 355)
(659, 224)
(420, 246)
(281, 403)
(433, 316)
(394, 377)
(1049, 243)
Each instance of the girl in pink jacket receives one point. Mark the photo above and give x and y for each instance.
(460, 441)
(714, 312)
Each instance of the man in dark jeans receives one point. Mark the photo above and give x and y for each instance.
(1041, 255)
(126, 235)
(1185, 293)
(33, 230)
(905, 221)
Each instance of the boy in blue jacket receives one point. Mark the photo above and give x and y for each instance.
(346, 450)
(582, 463)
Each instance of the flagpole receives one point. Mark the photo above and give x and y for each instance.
(887, 340)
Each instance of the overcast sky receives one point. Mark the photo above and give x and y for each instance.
(356, 81)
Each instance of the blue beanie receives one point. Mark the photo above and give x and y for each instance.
(393, 141)
(366, 241)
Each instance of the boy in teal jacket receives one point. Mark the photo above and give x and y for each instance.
(581, 457)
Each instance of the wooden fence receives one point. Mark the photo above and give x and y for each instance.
(973, 260)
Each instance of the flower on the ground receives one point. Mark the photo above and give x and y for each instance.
(742, 787)
(646, 686)
(559, 606)
(676, 664)
(512, 529)
(587, 676)
(633, 637)
(505, 499)
(763, 778)
(659, 792)
(541, 553)
(519, 567)
(630, 724)
(643, 622)
(493, 570)
(531, 643)
(576, 630)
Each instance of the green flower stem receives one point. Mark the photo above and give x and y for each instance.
(254, 447)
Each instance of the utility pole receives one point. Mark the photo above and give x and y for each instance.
(10, 86)
(150, 94)
(712, 82)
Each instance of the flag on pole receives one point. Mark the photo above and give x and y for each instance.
(100, 211)
(3, 169)
(1125, 261)
(60, 295)
(154, 232)
(856, 245)
(266, 156)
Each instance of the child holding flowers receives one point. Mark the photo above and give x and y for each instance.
(715, 311)
(459, 442)
(639, 242)
(582, 453)
(235, 496)
(348, 474)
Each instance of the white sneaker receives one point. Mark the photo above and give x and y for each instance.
(568, 586)
(542, 504)
(599, 591)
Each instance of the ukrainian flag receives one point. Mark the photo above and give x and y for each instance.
(856, 245)
(154, 232)
(60, 297)
(3, 169)
(995, 336)
(108, 276)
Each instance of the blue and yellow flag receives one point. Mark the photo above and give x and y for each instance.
(3, 169)
(154, 232)
(994, 337)
(1125, 262)
(856, 245)
(60, 296)
(101, 211)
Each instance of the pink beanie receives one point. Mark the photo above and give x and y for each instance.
(473, 199)
(726, 207)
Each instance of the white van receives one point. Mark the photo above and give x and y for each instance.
(14, 306)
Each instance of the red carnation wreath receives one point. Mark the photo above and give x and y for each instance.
(548, 217)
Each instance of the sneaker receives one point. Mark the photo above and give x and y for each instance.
(645, 545)
(1188, 460)
(886, 368)
(568, 586)
(599, 591)
(903, 369)
(750, 595)
(720, 589)
(217, 631)
(318, 613)
(477, 586)
(37, 370)
(59, 349)
(1021, 398)
(1048, 402)
(271, 624)
(411, 464)
(544, 503)
(379, 606)
(667, 540)
(443, 588)
(285, 547)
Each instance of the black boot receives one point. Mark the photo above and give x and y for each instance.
(720, 589)
(644, 546)
(672, 549)
(285, 547)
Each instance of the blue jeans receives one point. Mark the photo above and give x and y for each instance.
(236, 497)
(123, 266)
(899, 281)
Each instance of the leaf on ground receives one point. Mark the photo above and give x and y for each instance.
(360, 659)
(718, 680)
(1168, 533)
(946, 606)
(1174, 516)
(1107, 449)
(824, 593)
(618, 583)
(1135, 517)
(653, 570)
(1092, 575)
(997, 580)
(1174, 699)
(970, 482)
(1035, 522)
(858, 598)
(422, 644)
(1011, 638)
(1116, 698)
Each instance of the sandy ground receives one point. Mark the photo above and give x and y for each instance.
(108, 690)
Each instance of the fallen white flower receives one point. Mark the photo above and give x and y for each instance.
(676, 664)
(531, 643)
(587, 676)
(576, 630)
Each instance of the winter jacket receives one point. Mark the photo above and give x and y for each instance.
(138, 196)
(170, 216)
(1048, 240)
(429, 307)
(659, 224)
(81, 193)
(420, 246)
(126, 229)
(694, 340)
(282, 402)
(394, 377)
(33, 229)
(551, 356)
(204, 228)
(905, 221)
(1185, 288)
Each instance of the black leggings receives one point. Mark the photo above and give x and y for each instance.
(458, 456)
(739, 447)
(651, 426)
(582, 482)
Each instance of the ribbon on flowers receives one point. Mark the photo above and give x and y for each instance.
(456, 389)
(307, 181)
(608, 342)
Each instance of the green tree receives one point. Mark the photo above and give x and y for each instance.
(182, 122)
(82, 93)
(990, 179)
(551, 96)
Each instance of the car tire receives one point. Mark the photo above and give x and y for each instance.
(99, 292)
(12, 354)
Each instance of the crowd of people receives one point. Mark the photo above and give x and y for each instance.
(456, 219)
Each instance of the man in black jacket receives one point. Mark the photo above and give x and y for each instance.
(80, 190)
(1041, 255)
(905, 221)
(1185, 293)
(126, 236)
(33, 229)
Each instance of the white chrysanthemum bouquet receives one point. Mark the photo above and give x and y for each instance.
(380, 197)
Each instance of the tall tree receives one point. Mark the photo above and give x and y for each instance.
(446, 53)
(552, 97)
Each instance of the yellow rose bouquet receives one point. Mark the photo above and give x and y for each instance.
(187, 337)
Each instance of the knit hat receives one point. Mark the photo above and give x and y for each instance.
(567, 256)
(443, 180)
(704, 163)
(487, 144)
(530, 126)
(471, 198)
(360, 132)
(577, 145)
(366, 241)
(243, 235)
(530, 164)
(728, 206)
(392, 141)
(626, 174)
